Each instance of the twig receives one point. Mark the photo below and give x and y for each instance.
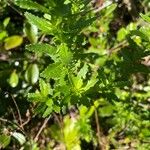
(58, 120)
(42, 38)
(9, 4)
(98, 128)
(18, 111)
(101, 138)
(28, 118)
(60, 123)
(41, 129)
(12, 123)
(117, 47)
(13, 113)
(106, 4)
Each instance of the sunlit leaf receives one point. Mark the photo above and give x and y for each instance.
(13, 42)
(14, 79)
(19, 137)
(32, 73)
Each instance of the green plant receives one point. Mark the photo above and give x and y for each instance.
(93, 84)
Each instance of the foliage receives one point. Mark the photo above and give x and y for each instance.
(64, 66)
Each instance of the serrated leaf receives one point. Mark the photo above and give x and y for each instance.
(145, 17)
(4, 141)
(81, 24)
(56, 108)
(110, 9)
(41, 23)
(43, 48)
(106, 111)
(121, 34)
(36, 97)
(90, 83)
(77, 82)
(83, 71)
(30, 5)
(19, 137)
(47, 112)
(53, 71)
(45, 88)
(49, 103)
(140, 34)
(65, 54)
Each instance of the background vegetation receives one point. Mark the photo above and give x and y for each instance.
(74, 74)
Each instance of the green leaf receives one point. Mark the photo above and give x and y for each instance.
(31, 32)
(3, 34)
(65, 54)
(145, 17)
(13, 42)
(6, 22)
(140, 34)
(43, 48)
(110, 9)
(32, 73)
(36, 97)
(14, 79)
(45, 88)
(90, 83)
(4, 141)
(49, 103)
(56, 108)
(106, 111)
(77, 82)
(53, 71)
(121, 34)
(41, 23)
(30, 5)
(81, 24)
(19, 137)
(83, 71)
(47, 112)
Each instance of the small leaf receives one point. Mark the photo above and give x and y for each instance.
(47, 112)
(83, 71)
(106, 111)
(140, 34)
(49, 103)
(45, 88)
(13, 42)
(3, 34)
(77, 82)
(4, 141)
(32, 73)
(41, 23)
(28, 4)
(31, 32)
(43, 48)
(121, 34)
(65, 54)
(53, 71)
(19, 137)
(90, 83)
(14, 79)
(145, 17)
(110, 9)
(56, 108)
(6, 22)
